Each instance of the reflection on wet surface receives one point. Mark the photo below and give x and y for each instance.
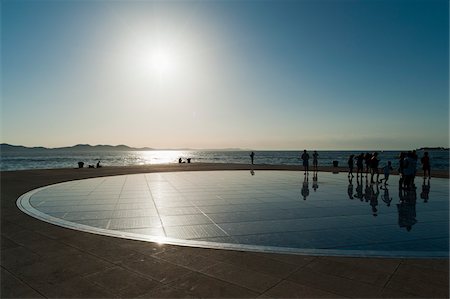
(282, 209)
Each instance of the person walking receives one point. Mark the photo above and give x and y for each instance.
(360, 164)
(367, 158)
(252, 156)
(305, 159)
(426, 165)
(350, 166)
(315, 160)
(387, 171)
(374, 162)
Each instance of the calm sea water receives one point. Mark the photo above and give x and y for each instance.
(69, 159)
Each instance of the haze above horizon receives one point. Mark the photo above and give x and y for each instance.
(226, 74)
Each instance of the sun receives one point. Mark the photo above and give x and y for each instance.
(163, 61)
(158, 61)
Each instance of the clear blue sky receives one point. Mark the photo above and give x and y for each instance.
(215, 74)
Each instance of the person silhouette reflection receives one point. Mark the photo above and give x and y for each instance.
(425, 194)
(407, 209)
(359, 188)
(374, 199)
(252, 172)
(315, 183)
(350, 187)
(385, 196)
(305, 188)
(367, 191)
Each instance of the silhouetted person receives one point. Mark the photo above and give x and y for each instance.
(80, 164)
(305, 188)
(409, 169)
(350, 165)
(180, 160)
(415, 159)
(425, 194)
(188, 160)
(98, 164)
(374, 161)
(315, 160)
(401, 168)
(387, 171)
(426, 165)
(305, 159)
(367, 158)
(252, 156)
(359, 164)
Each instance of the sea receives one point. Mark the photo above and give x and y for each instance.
(49, 159)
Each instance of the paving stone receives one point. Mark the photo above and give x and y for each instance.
(187, 258)
(241, 276)
(434, 264)
(155, 269)
(257, 263)
(420, 283)
(74, 288)
(122, 282)
(412, 272)
(335, 284)
(200, 285)
(42, 272)
(12, 287)
(289, 289)
(7, 243)
(167, 292)
(353, 271)
(15, 257)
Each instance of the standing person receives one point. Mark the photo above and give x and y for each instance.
(305, 158)
(374, 167)
(350, 165)
(252, 156)
(401, 168)
(426, 165)
(359, 164)
(315, 160)
(415, 159)
(367, 158)
(408, 170)
(387, 171)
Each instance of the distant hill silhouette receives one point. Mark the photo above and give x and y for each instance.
(4, 147)
(78, 147)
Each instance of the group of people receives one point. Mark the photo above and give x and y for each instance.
(370, 163)
(81, 165)
(305, 161)
(407, 167)
(180, 160)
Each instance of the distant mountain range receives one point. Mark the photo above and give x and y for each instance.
(4, 147)
(78, 147)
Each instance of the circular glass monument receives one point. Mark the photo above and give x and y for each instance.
(271, 211)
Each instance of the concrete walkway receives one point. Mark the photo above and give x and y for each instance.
(43, 260)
